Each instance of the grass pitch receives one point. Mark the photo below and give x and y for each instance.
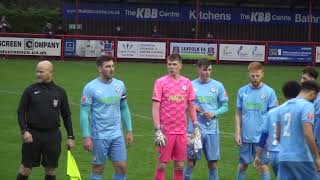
(16, 75)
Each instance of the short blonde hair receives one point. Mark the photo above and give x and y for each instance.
(255, 66)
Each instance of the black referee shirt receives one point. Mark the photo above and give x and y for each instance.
(41, 106)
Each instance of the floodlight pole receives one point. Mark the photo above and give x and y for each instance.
(77, 16)
(310, 21)
(197, 17)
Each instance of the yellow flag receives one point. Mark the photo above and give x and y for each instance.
(72, 168)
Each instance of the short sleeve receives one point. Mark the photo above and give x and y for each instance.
(191, 95)
(157, 91)
(86, 98)
(308, 113)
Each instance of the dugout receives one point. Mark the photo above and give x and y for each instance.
(270, 20)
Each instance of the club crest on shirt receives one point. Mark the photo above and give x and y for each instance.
(83, 99)
(184, 88)
(263, 96)
(310, 116)
(213, 90)
(117, 88)
(55, 102)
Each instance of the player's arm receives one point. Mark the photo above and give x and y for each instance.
(222, 109)
(156, 114)
(261, 145)
(22, 112)
(66, 116)
(237, 124)
(84, 120)
(126, 115)
(160, 139)
(84, 124)
(126, 119)
(309, 136)
(192, 112)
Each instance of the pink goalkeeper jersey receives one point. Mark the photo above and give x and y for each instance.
(173, 96)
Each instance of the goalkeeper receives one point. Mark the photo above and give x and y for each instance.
(211, 102)
(172, 94)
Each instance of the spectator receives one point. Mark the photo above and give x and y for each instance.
(118, 31)
(48, 29)
(4, 25)
(60, 30)
(155, 32)
(209, 35)
(191, 34)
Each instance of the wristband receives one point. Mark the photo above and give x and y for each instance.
(71, 137)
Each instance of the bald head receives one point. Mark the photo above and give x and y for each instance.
(44, 71)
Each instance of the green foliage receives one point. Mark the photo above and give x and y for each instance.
(30, 20)
(15, 75)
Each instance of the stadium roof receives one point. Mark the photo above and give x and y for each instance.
(291, 4)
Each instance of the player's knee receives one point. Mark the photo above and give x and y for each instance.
(49, 171)
(243, 167)
(25, 171)
(179, 166)
(161, 166)
(98, 169)
(191, 163)
(121, 167)
(263, 168)
(212, 164)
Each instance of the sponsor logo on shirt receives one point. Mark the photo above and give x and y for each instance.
(213, 90)
(36, 92)
(55, 102)
(110, 100)
(253, 106)
(177, 98)
(205, 99)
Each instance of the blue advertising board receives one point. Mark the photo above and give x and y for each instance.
(296, 54)
(132, 12)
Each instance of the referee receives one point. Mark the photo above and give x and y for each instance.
(39, 112)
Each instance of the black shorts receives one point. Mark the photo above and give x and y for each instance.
(45, 149)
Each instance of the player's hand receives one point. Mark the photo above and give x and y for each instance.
(27, 137)
(159, 139)
(208, 115)
(317, 163)
(130, 138)
(70, 144)
(257, 162)
(237, 139)
(199, 109)
(87, 143)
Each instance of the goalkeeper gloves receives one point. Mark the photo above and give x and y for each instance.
(197, 144)
(159, 139)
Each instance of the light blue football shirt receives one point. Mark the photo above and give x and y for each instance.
(254, 104)
(292, 115)
(269, 126)
(209, 96)
(316, 104)
(104, 101)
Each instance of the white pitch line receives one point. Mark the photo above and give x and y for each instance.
(137, 115)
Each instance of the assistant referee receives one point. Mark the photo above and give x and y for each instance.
(39, 112)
